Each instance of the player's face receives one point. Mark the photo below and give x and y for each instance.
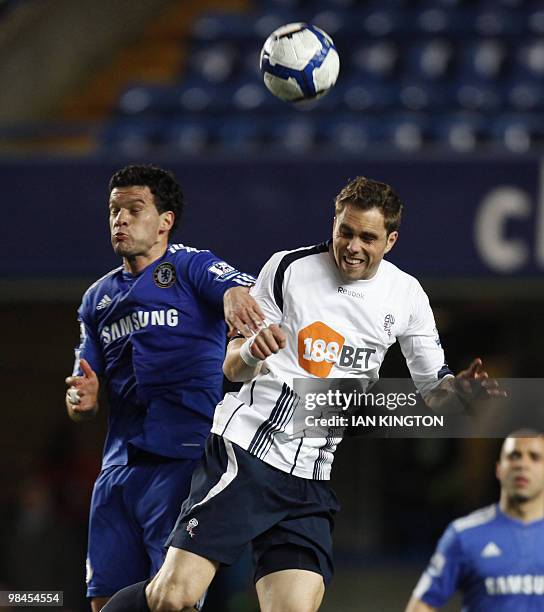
(359, 242)
(520, 469)
(135, 223)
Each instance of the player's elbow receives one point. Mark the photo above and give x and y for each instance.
(231, 372)
(416, 605)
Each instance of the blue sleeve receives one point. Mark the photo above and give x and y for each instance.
(89, 345)
(211, 277)
(441, 578)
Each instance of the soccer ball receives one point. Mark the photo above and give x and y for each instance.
(299, 62)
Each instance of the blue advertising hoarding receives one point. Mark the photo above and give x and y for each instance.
(462, 219)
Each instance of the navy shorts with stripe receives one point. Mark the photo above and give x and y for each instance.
(236, 498)
(133, 510)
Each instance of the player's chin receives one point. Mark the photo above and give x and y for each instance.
(353, 273)
(120, 248)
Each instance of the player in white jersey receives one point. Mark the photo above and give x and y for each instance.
(495, 556)
(332, 310)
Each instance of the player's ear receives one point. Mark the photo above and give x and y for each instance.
(167, 221)
(391, 239)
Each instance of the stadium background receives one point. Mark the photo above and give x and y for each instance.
(441, 98)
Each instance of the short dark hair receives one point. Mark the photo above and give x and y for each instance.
(365, 194)
(167, 193)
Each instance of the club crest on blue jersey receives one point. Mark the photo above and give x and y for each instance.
(164, 275)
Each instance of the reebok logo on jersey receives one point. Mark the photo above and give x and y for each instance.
(491, 550)
(351, 293)
(105, 301)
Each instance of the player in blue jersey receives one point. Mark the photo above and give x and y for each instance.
(495, 556)
(153, 331)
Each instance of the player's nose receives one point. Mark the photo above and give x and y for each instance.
(121, 218)
(354, 246)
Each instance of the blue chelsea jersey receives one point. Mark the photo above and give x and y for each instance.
(497, 563)
(158, 340)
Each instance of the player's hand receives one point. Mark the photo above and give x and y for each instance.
(82, 393)
(269, 340)
(474, 383)
(242, 313)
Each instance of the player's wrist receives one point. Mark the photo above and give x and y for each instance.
(247, 356)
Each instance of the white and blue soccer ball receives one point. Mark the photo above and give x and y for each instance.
(299, 62)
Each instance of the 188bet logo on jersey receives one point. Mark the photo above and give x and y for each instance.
(320, 347)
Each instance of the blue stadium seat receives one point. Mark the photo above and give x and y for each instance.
(431, 60)
(187, 136)
(238, 134)
(377, 60)
(352, 133)
(535, 20)
(517, 133)
(460, 132)
(524, 94)
(407, 133)
(477, 95)
(297, 135)
(364, 95)
(131, 138)
(485, 59)
(424, 96)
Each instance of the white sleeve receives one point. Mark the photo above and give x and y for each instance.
(263, 290)
(420, 344)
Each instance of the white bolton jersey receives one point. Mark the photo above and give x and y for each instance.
(334, 329)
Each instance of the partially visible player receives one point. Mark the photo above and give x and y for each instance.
(154, 331)
(495, 556)
(333, 310)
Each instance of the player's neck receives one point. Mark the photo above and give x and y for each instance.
(137, 263)
(527, 512)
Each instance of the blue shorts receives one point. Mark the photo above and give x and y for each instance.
(133, 509)
(236, 498)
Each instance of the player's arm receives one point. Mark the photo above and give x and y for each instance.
(245, 356)
(82, 394)
(442, 576)
(222, 286)
(416, 605)
(81, 397)
(442, 390)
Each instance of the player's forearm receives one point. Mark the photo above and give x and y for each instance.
(445, 397)
(236, 369)
(416, 605)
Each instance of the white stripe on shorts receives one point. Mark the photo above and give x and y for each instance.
(228, 476)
